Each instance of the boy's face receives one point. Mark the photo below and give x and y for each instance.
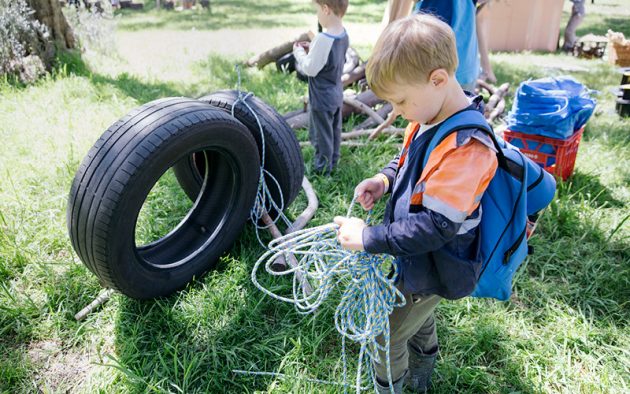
(417, 102)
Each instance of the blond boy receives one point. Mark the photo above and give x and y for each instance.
(431, 220)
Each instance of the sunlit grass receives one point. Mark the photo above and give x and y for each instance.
(565, 329)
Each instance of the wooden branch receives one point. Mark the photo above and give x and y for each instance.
(353, 144)
(495, 98)
(280, 262)
(366, 132)
(363, 108)
(101, 299)
(369, 122)
(298, 121)
(353, 76)
(352, 61)
(271, 55)
(497, 111)
(368, 98)
(291, 114)
(309, 212)
(491, 89)
(388, 122)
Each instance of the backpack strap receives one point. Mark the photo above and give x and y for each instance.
(465, 119)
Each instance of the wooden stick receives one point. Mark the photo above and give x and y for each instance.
(353, 102)
(495, 98)
(101, 299)
(349, 143)
(280, 262)
(309, 212)
(271, 55)
(388, 122)
(491, 89)
(366, 132)
(368, 98)
(370, 123)
(497, 111)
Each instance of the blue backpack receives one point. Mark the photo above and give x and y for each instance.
(519, 188)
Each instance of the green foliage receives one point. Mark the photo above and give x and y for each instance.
(21, 48)
(95, 28)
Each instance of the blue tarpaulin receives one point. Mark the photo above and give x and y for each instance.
(551, 107)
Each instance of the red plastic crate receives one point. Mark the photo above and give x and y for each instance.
(563, 151)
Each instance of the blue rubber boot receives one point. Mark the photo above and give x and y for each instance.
(383, 388)
(421, 366)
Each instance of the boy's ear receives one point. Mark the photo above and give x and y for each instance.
(439, 77)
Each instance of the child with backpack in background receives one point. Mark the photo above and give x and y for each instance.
(324, 65)
(456, 220)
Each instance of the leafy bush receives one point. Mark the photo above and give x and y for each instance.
(23, 41)
(95, 28)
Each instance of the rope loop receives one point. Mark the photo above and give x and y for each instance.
(369, 292)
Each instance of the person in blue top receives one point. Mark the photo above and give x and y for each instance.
(460, 16)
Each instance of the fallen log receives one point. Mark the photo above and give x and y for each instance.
(299, 120)
(353, 76)
(273, 54)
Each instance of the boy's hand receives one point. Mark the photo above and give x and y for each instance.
(369, 191)
(302, 44)
(350, 233)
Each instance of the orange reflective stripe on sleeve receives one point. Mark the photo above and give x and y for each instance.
(457, 179)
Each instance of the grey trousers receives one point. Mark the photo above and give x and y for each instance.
(411, 325)
(324, 132)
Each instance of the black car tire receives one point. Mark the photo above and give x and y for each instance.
(120, 170)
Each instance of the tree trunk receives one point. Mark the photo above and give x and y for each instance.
(48, 12)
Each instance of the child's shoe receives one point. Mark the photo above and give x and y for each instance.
(421, 367)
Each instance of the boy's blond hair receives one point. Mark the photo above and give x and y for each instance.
(338, 7)
(408, 50)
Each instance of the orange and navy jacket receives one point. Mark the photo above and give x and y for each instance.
(431, 221)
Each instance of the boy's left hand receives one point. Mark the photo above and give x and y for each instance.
(350, 233)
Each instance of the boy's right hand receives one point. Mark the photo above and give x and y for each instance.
(302, 44)
(369, 191)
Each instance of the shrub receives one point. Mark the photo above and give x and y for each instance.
(24, 43)
(94, 28)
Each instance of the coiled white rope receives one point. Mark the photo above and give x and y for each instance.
(368, 298)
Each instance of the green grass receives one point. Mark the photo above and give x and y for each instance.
(241, 14)
(564, 330)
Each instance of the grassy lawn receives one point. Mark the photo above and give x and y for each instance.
(565, 330)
